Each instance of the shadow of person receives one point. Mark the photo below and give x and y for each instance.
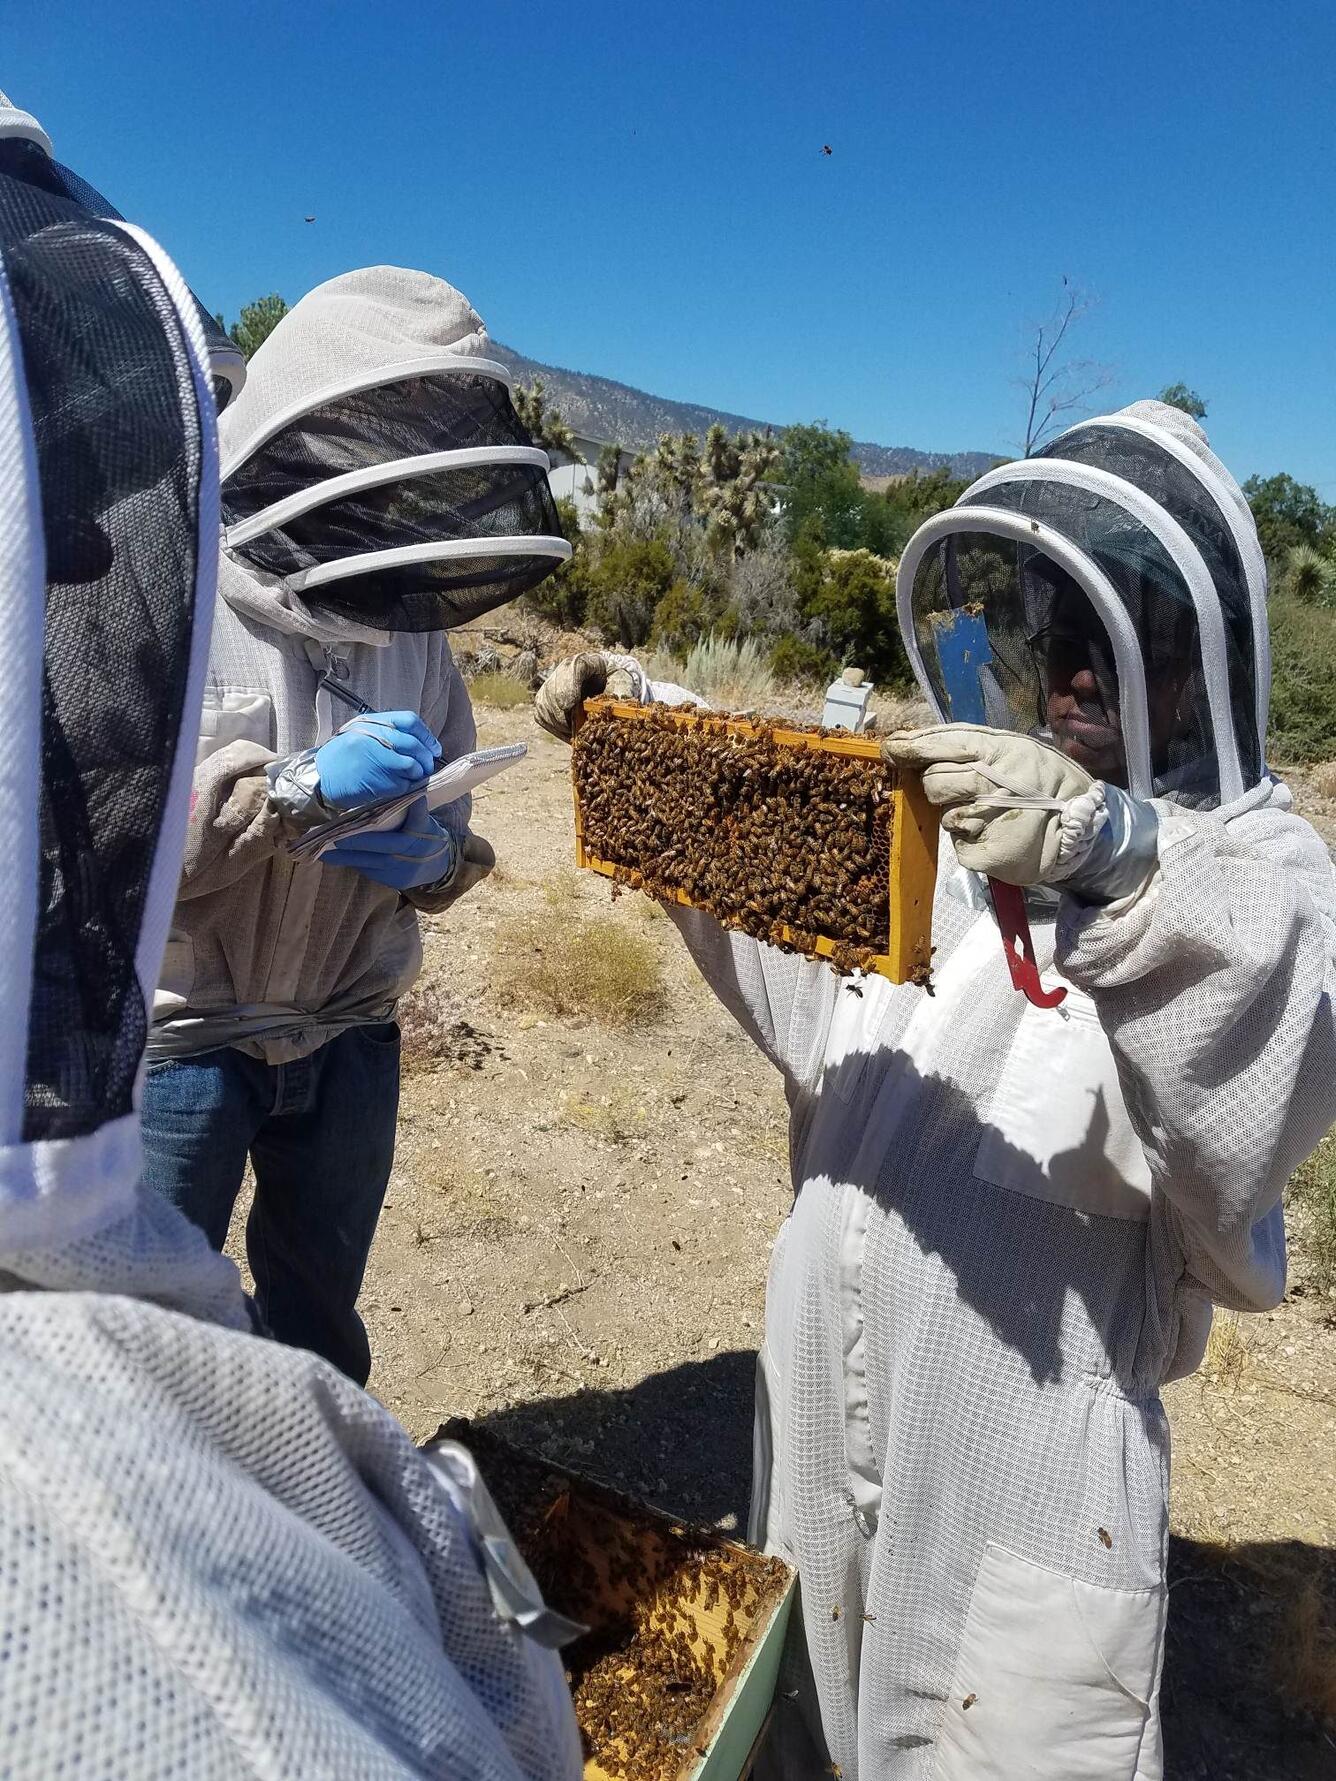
(966, 1218)
(680, 1439)
(1250, 1667)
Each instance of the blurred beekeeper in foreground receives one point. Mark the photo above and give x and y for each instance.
(377, 489)
(217, 1556)
(1012, 1221)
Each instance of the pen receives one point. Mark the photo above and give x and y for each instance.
(341, 692)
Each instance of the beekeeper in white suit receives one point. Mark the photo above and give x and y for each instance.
(218, 1557)
(1011, 1221)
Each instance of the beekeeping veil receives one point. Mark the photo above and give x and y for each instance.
(108, 529)
(374, 469)
(50, 192)
(1127, 543)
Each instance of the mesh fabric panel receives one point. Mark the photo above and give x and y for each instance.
(1149, 467)
(408, 418)
(119, 463)
(1157, 600)
(431, 596)
(448, 411)
(490, 501)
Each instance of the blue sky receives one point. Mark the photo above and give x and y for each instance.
(639, 190)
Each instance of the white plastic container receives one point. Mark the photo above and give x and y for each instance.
(846, 702)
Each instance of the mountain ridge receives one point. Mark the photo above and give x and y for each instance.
(603, 408)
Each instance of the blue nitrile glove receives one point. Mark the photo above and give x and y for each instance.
(418, 852)
(378, 754)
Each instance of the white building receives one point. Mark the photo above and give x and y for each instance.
(578, 481)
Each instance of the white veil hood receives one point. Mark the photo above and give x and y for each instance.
(375, 472)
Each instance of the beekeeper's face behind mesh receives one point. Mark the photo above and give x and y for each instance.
(403, 494)
(1009, 637)
(1108, 595)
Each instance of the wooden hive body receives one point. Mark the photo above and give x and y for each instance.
(598, 1556)
(912, 866)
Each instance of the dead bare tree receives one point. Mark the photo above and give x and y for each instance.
(1055, 384)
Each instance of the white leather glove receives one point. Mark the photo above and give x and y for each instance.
(582, 677)
(1019, 810)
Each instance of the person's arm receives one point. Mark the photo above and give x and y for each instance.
(781, 1000)
(234, 824)
(247, 803)
(1214, 986)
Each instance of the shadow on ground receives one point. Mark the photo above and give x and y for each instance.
(681, 1439)
(1247, 1654)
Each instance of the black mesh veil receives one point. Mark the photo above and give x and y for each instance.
(42, 190)
(491, 496)
(117, 436)
(1173, 487)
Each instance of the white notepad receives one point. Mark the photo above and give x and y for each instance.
(447, 784)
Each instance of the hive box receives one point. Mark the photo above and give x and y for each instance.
(613, 1551)
(912, 866)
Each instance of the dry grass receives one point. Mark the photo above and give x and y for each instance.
(1313, 1190)
(501, 691)
(617, 1116)
(1323, 778)
(899, 711)
(1228, 1355)
(432, 1037)
(597, 969)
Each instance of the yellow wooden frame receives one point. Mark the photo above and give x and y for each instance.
(913, 873)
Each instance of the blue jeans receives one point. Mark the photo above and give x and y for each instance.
(320, 1136)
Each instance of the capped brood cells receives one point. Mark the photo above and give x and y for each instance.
(805, 838)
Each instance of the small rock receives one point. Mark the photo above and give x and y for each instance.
(466, 1307)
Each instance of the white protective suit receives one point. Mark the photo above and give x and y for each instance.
(1010, 1223)
(218, 1557)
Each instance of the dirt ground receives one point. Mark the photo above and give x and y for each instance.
(574, 1250)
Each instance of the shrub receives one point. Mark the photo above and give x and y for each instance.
(850, 596)
(628, 581)
(792, 659)
(1313, 1187)
(728, 674)
(763, 598)
(683, 616)
(562, 598)
(1303, 681)
(1310, 576)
